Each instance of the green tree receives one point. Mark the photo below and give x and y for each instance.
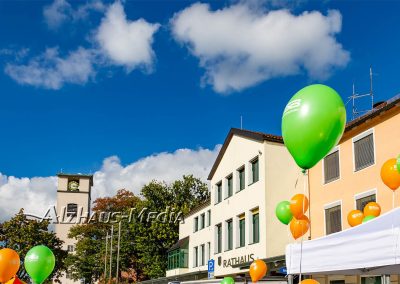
(88, 260)
(152, 237)
(21, 234)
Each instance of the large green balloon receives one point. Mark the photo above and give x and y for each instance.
(313, 123)
(283, 212)
(398, 163)
(367, 218)
(39, 263)
(228, 280)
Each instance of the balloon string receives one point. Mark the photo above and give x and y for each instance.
(301, 257)
(393, 198)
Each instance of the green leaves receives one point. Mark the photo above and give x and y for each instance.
(144, 241)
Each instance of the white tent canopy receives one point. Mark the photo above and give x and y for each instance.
(370, 248)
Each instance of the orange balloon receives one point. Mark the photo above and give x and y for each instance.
(299, 226)
(309, 281)
(389, 174)
(372, 209)
(9, 264)
(299, 205)
(258, 269)
(355, 217)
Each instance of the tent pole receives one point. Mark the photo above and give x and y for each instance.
(290, 279)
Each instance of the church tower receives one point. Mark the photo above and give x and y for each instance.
(73, 207)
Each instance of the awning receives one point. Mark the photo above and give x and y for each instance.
(182, 243)
(370, 248)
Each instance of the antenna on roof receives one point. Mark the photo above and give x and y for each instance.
(355, 96)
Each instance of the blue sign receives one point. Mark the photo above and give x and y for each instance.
(211, 265)
(283, 270)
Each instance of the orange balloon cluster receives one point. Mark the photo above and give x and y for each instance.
(258, 269)
(356, 217)
(9, 264)
(300, 223)
(390, 175)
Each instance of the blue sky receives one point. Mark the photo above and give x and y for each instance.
(133, 111)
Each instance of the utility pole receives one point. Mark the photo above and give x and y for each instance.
(119, 238)
(105, 261)
(111, 243)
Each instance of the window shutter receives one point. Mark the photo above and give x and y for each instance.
(364, 152)
(333, 220)
(331, 167)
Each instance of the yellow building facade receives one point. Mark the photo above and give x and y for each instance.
(349, 176)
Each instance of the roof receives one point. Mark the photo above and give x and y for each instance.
(198, 207)
(393, 103)
(179, 244)
(257, 136)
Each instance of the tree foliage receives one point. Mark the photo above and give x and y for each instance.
(146, 239)
(21, 234)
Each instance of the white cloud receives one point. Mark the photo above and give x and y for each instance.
(49, 70)
(117, 42)
(240, 47)
(38, 193)
(60, 12)
(124, 42)
(34, 194)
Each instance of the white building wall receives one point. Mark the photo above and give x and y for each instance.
(239, 152)
(277, 179)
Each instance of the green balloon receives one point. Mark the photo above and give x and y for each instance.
(39, 263)
(227, 280)
(313, 123)
(283, 212)
(367, 218)
(398, 163)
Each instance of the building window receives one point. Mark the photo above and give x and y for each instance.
(242, 230)
(202, 257)
(202, 221)
(229, 235)
(70, 248)
(364, 152)
(177, 259)
(255, 226)
(331, 167)
(255, 175)
(361, 202)
(229, 186)
(337, 282)
(218, 244)
(333, 219)
(219, 193)
(195, 256)
(371, 280)
(72, 209)
(209, 218)
(196, 224)
(208, 251)
(241, 178)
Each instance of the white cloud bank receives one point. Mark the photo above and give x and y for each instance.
(116, 42)
(240, 47)
(38, 193)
